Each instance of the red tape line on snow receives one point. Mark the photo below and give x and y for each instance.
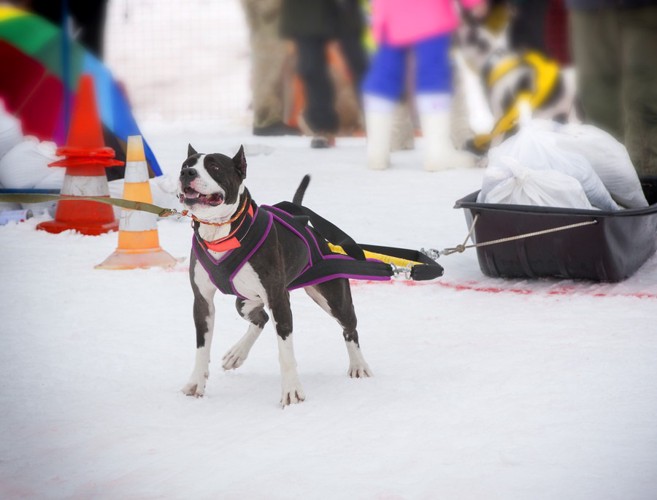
(558, 290)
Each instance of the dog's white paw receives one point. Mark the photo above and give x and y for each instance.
(235, 357)
(292, 396)
(195, 387)
(360, 371)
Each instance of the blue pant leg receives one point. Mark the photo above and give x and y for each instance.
(433, 67)
(387, 73)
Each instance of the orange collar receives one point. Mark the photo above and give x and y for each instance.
(231, 241)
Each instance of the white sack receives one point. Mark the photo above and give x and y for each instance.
(11, 131)
(54, 179)
(509, 182)
(26, 164)
(610, 160)
(535, 147)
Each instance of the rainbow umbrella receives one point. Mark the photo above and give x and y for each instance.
(41, 70)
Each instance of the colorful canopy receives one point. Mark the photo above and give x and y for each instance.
(41, 70)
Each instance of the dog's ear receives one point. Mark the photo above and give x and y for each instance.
(239, 160)
(190, 150)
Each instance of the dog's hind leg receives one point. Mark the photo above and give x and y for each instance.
(335, 298)
(204, 312)
(252, 311)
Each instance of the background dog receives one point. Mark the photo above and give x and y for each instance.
(212, 188)
(513, 81)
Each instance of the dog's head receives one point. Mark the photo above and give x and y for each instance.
(479, 45)
(210, 185)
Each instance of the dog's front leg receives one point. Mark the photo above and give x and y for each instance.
(253, 312)
(204, 312)
(279, 304)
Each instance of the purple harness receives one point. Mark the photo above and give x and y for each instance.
(322, 264)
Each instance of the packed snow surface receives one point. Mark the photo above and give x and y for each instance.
(483, 388)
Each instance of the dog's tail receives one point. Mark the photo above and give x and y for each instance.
(301, 190)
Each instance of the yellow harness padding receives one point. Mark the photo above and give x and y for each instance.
(547, 73)
(397, 261)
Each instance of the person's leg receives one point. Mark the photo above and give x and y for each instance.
(595, 43)
(269, 57)
(382, 88)
(354, 54)
(312, 66)
(434, 87)
(639, 87)
(90, 15)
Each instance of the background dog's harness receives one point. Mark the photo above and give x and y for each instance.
(349, 261)
(546, 77)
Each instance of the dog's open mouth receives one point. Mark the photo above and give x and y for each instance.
(191, 196)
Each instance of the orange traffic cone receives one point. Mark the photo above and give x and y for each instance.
(85, 159)
(139, 244)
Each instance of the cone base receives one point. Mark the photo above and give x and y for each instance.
(121, 259)
(89, 228)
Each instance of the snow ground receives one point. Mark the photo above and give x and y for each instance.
(483, 389)
(476, 395)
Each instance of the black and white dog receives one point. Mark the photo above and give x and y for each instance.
(212, 188)
(512, 81)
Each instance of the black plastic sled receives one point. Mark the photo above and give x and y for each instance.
(610, 250)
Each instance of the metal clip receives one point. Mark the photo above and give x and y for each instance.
(456, 249)
(405, 271)
(172, 212)
(432, 253)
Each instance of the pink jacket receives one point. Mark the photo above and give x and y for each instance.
(404, 22)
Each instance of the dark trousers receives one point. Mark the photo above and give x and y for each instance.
(527, 30)
(615, 52)
(313, 69)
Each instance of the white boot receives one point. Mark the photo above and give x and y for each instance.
(379, 133)
(379, 119)
(439, 151)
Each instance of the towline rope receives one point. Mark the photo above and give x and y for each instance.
(464, 246)
(18, 197)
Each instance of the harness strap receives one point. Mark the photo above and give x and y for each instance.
(329, 231)
(502, 68)
(370, 261)
(326, 265)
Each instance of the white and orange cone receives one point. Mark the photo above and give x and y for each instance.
(85, 158)
(139, 243)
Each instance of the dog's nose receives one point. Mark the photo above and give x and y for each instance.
(188, 174)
